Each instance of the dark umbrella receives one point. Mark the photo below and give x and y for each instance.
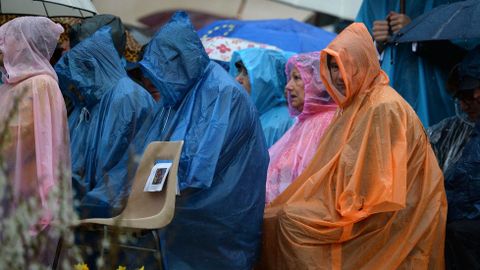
(459, 20)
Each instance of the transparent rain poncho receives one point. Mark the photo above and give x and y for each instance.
(35, 152)
(292, 153)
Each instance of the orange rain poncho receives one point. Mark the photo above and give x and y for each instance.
(373, 195)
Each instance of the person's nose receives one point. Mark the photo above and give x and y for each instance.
(239, 79)
(289, 86)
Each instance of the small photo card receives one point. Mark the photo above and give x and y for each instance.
(158, 175)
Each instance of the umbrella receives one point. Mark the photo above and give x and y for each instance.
(222, 48)
(286, 34)
(345, 9)
(459, 20)
(132, 48)
(51, 8)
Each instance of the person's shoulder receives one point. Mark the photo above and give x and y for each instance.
(39, 83)
(41, 78)
(387, 99)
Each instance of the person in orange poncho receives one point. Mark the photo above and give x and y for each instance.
(373, 195)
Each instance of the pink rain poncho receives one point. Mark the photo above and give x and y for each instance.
(293, 152)
(32, 112)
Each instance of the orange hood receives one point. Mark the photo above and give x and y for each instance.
(358, 64)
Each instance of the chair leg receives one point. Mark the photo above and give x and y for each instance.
(158, 253)
(57, 253)
(102, 249)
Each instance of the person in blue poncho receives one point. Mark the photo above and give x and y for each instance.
(419, 81)
(223, 164)
(109, 109)
(262, 74)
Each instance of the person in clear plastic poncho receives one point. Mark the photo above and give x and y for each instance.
(373, 195)
(108, 110)
(310, 103)
(33, 121)
(448, 138)
(224, 160)
(262, 74)
(456, 142)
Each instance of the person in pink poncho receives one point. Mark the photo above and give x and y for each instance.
(314, 109)
(34, 142)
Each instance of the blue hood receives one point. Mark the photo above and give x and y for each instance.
(175, 59)
(266, 71)
(90, 69)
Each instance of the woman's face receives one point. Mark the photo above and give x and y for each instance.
(242, 76)
(296, 90)
(336, 75)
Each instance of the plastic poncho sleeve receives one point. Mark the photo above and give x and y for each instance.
(114, 134)
(462, 182)
(38, 152)
(371, 174)
(199, 160)
(51, 138)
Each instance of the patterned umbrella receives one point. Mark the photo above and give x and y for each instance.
(222, 48)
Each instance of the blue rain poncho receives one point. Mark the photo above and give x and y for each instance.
(418, 81)
(223, 164)
(109, 108)
(462, 181)
(266, 72)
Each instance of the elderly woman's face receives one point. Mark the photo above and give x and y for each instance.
(296, 90)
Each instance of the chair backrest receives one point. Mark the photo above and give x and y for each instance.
(145, 210)
(152, 210)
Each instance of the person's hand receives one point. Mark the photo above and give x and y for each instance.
(398, 21)
(380, 31)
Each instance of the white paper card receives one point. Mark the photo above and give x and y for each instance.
(157, 176)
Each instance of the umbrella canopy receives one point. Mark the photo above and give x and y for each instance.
(345, 9)
(286, 34)
(222, 48)
(459, 20)
(50, 8)
(132, 48)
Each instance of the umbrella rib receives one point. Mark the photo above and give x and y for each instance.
(45, 7)
(439, 31)
(65, 5)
